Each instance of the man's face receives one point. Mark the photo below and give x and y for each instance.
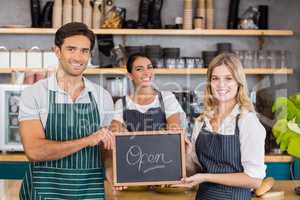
(74, 54)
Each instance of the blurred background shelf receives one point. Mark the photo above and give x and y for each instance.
(160, 32)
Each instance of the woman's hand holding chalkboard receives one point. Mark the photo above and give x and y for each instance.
(103, 136)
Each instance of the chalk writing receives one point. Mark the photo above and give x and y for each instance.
(136, 157)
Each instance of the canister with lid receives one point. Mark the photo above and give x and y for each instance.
(34, 58)
(4, 57)
(50, 60)
(18, 58)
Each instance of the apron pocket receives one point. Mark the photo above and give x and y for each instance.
(68, 183)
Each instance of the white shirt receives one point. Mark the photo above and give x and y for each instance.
(35, 98)
(170, 102)
(252, 139)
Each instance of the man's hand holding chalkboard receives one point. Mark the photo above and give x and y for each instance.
(103, 136)
(192, 181)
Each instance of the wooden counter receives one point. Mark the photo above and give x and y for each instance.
(9, 190)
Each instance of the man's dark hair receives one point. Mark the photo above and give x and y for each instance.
(72, 29)
(132, 58)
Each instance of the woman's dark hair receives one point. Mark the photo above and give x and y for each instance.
(71, 29)
(132, 58)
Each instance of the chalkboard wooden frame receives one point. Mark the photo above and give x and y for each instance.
(181, 136)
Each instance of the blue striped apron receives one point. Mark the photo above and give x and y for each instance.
(77, 176)
(153, 119)
(220, 154)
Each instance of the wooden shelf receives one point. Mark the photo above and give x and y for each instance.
(198, 71)
(278, 158)
(19, 157)
(160, 32)
(13, 157)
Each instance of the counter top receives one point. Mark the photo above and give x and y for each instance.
(9, 190)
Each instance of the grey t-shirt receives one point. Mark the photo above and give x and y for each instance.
(35, 98)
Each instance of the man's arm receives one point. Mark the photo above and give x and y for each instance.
(38, 148)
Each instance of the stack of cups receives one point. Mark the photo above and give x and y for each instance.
(210, 14)
(188, 14)
(199, 21)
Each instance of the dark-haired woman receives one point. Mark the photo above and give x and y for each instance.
(146, 109)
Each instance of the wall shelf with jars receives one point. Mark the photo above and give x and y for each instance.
(159, 32)
(197, 71)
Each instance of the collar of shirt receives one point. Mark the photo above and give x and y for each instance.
(228, 124)
(63, 97)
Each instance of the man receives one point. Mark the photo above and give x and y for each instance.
(62, 121)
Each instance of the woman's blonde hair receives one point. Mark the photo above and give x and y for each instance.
(232, 62)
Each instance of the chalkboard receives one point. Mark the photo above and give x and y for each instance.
(148, 158)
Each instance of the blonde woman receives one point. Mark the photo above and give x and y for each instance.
(226, 155)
